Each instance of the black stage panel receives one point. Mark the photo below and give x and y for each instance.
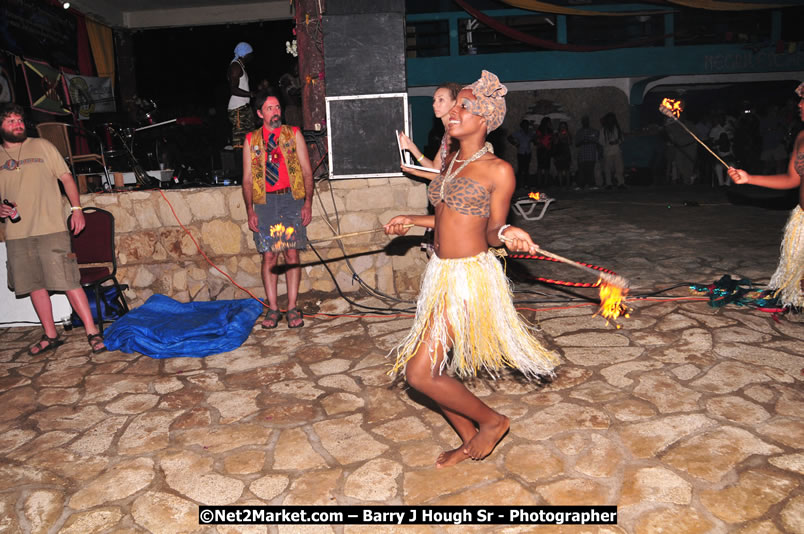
(364, 54)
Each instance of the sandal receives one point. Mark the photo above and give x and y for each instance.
(94, 340)
(272, 318)
(52, 344)
(294, 315)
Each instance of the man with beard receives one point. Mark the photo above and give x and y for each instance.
(278, 192)
(38, 245)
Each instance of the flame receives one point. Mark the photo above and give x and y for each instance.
(281, 233)
(535, 196)
(612, 302)
(673, 106)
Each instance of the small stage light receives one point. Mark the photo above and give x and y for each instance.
(65, 5)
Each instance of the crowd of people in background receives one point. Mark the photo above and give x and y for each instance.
(758, 140)
(588, 157)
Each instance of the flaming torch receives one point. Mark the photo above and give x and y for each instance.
(282, 235)
(673, 108)
(535, 196)
(613, 288)
(612, 302)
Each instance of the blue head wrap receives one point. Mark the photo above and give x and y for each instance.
(242, 49)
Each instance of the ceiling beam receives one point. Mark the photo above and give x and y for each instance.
(115, 13)
(103, 12)
(208, 15)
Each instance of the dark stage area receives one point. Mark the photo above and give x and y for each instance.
(178, 121)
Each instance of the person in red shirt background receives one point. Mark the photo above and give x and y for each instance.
(278, 192)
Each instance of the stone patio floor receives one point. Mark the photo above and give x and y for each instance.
(689, 418)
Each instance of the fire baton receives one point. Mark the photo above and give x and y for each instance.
(668, 109)
(612, 279)
(352, 234)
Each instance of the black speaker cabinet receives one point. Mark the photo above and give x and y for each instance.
(364, 53)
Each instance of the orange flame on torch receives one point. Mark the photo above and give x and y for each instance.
(282, 234)
(612, 302)
(671, 107)
(535, 196)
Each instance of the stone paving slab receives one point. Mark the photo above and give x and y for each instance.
(689, 418)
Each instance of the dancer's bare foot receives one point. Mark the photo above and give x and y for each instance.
(448, 458)
(487, 438)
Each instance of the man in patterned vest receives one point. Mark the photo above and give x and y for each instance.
(278, 191)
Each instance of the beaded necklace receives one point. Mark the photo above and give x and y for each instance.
(14, 164)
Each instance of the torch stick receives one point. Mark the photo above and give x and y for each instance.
(669, 112)
(352, 234)
(612, 279)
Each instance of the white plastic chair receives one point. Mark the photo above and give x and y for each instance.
(525, 207)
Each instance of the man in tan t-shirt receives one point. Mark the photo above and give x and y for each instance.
(39, 255)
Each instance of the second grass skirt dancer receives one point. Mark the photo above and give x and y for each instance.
(788, 280)
(466, 304)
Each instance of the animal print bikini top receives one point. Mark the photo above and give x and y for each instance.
(461, 194)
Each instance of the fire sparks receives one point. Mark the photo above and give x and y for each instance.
(535, 196)
(671, 108)
(612, 302)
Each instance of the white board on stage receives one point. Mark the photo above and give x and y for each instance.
(20, 312)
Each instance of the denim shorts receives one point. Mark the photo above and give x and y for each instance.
(42, 262)
(280, 224)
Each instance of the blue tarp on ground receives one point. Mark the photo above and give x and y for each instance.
(165, 328)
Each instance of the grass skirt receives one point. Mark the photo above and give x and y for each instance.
(787, 278)
(473, 298)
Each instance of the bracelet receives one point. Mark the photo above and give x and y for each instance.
(500, 235)
(420, 158)
(76, 208)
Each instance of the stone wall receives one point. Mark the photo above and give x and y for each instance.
(156, 255)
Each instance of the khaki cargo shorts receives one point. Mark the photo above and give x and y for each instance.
(42, 262)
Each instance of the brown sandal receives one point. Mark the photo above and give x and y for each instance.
(272, 317)
(52, 344)
(94, 340)
(294, 315)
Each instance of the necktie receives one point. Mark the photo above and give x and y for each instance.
(271, 168)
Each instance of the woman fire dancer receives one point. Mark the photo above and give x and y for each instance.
(788, 280)
(465, 304)
(443, 101)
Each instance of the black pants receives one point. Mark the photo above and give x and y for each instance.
(586, 173)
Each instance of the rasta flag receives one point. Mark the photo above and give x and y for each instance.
(46, 88)
(89, 94)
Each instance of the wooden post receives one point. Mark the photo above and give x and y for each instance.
(82, 184)
(310, 45)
